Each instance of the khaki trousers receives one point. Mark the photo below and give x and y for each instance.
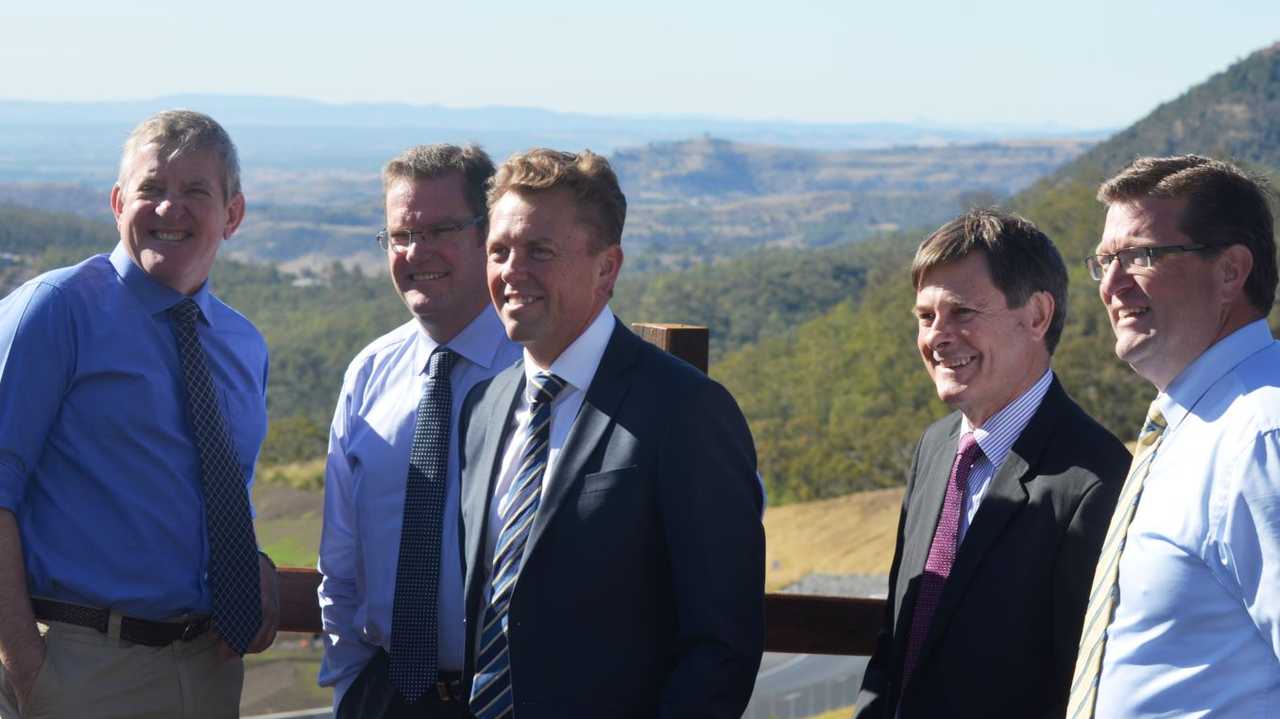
(88, 675)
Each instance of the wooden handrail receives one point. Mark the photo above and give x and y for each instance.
(794, 623)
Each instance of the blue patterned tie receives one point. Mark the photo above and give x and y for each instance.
(233, 553)
(414, 616)
(491, 689)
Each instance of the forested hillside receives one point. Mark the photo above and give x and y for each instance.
(313, 331)
(838, 407)
(315, 327)
(817, 344)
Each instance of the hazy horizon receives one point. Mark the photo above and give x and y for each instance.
(1085, 66)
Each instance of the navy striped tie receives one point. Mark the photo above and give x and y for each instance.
(415, 611)
(491, 696)
(233, 552)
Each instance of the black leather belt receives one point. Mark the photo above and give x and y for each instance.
(138, 631)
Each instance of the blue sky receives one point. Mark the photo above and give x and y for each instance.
(1078, 64)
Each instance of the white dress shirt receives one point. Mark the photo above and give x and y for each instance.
(995, 438)
(1197, 628)
(577, 366)
(365, 477)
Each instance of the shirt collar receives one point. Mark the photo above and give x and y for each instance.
(1176, 402)
(579, 361)
(154, 296)
(996, 436)
(477, 343)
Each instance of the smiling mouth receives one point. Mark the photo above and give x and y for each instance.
(1130, 313)
(168, 235)
(516, 301)
(953, 362)
(426, 276)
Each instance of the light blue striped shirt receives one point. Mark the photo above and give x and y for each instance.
(996, 437)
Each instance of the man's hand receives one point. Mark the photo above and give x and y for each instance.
(270, 611)
(21, 646)
(21, 673)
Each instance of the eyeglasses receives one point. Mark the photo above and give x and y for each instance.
(1135, 257)
(402, 240)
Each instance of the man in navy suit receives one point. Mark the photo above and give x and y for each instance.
(611, 511)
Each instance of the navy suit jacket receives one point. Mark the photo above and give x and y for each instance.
(641, 591)
(1003, 638)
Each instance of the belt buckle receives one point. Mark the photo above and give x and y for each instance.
(442, 688)
(191, 630)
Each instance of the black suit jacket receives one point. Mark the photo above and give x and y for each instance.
(1004, 636)
(641, 592)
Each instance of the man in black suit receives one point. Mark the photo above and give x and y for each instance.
(1008, 498)
(611, 512)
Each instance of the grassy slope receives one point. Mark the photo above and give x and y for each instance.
(853, 534)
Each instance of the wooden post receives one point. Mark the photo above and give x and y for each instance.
(688, 342)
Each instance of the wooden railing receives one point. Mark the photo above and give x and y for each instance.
(794, 623)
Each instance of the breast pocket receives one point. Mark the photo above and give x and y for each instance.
(612, 498)
(245, 414)
(606, 481)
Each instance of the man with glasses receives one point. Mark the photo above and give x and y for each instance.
(391, 597)
(1184, 613)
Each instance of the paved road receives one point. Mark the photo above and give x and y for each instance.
(790, 686)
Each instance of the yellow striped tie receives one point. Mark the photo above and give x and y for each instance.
(1106, 577)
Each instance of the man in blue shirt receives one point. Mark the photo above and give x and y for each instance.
(391, 599)
(1184, 614)
(132, 407)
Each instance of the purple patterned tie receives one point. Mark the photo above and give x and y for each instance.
(942, 553)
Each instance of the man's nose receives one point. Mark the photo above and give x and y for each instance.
(417, 250)
(1114, 278)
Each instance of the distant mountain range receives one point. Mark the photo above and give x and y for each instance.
(691, 201)
(80, 140)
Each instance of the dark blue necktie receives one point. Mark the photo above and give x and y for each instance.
(233, 553)
(491, 696)
(414, 616)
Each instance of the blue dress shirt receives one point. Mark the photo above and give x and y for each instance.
(365, 477)
(1197, 628)
(96, 459)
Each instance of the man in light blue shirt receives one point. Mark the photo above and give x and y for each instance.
(1187, 266)
(434, 243)
(105, 532)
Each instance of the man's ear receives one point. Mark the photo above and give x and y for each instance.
(608, 265)
(1234, 264)
(117, 201)
(235, 215)
(1041, 306)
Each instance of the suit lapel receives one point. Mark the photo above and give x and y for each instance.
(927, 496)
(590, 427)
(497, 422)
(1004, 498)
(928, 489)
